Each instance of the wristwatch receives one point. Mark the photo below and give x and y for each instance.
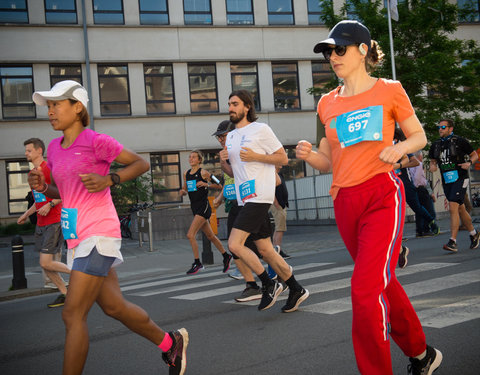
(52, 204)
(115, 178)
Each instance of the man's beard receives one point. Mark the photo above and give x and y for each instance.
(236, 118)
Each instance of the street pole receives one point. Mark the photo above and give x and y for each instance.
(392, 52)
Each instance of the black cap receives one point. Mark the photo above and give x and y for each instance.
(224, 127)
(345, 33)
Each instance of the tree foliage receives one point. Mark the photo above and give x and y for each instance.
(439, 72)
(129, 193)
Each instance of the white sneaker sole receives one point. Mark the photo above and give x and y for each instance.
(300, 300)
(436, 363)
(184, 334)
(277, 293)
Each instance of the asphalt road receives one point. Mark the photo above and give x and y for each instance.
(236, 339)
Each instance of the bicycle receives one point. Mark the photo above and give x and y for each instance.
(126, 220)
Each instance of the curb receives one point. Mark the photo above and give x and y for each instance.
(21, 293)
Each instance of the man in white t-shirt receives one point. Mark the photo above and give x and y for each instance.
(253, 150)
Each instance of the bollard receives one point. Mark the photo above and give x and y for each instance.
(19, 281)
(207, 255)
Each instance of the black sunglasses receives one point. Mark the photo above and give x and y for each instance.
(442, 127)
(339, 50)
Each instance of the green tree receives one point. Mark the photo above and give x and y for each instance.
(440, 73)
(128, 193)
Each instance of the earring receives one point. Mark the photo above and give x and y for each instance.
(361, 48)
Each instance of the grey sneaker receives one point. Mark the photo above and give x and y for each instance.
(428, 365)
(474, 240)
(451, 245)
(176, 356)
(402, 258)
(249, 294)
(269, 295)
(295, 298)
(236, 274)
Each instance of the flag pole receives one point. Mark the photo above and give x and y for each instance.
(392, 56)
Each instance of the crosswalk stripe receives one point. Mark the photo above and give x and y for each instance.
(454, 313)
(412, 290)
(193, 282)
(345, 283)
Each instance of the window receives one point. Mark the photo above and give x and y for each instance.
(280, 12)
(197, 12)
(108, 12)
(153, 12)
(468, 11)
(285, 86)
(13, 11)
(60, 11)
(245, 77)
(17, 177)
(321, 74)
(203, 88)
(314, 12)
(239, 12)
(17, 89)
(114, 93)
(166, 177)
(62, 72)
(159, 93)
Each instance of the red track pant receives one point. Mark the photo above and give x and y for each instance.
(370, 219)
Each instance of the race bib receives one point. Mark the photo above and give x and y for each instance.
(247, 190)
(450, 176)
(39, 197)
(361, 125)
(69, 223)
(192, 185)
(229, 192)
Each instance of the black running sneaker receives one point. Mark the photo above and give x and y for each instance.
(282, 253)
(176, 356)
(196, 267)
(434, 228)
(269, 295)
(226, 262)
(250, 293)
(451, 246)
(427, 365)
(59, 301)
(474, 240)
(295, 298)
(402, 258)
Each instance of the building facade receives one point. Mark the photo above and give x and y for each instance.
(159, 74)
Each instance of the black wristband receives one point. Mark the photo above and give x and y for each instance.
(115, 178)
(400, 165)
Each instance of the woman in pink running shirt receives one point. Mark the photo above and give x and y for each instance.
(80, 162)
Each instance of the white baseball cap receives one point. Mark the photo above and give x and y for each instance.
(60, 91)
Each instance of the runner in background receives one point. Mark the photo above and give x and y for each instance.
(196, 182)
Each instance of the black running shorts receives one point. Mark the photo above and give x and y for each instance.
(253, 218)
(455, 192)
(202, 209)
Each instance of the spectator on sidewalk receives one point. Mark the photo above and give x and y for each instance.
(425, 194)
(279, 212)
(48, 232)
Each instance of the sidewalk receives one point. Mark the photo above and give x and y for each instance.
(173, 256)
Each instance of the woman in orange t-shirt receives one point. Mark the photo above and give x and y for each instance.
(359, 120)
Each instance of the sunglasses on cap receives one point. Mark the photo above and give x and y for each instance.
(339, 50)
(443, 127)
